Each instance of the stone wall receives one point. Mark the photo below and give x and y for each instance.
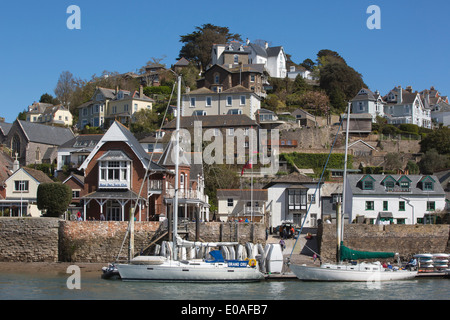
(100, 241)
(406, 240)
(28, 239)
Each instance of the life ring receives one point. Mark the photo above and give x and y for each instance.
(252, 262)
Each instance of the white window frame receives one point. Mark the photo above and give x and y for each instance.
(229, 101)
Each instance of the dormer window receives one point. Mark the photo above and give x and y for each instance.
(427, 183)
(404, 183)
(389, 183)
(368, 183)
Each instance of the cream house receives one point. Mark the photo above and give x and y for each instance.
(126, 104)
(21, 191)
(112, 104)
(49, 114)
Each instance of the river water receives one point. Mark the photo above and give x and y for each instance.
(41, 286)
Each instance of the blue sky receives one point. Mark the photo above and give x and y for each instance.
(411, 48)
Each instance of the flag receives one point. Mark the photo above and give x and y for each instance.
(247, 165)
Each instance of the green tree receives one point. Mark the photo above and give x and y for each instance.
(54, 198)
(197, 45)
(48, 98)
(439, 140)
(432, 161)
(340, 82)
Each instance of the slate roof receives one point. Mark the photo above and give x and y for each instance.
(293, 179)
(379, 188)
(44, 134)
(5, 127)
(242, 194)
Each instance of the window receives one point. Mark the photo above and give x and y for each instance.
(193, 102)
(370, 205)
(21, 185)
(297, 199)
(135, 107)
(236, 58)
(229, 101)
(389, 185)
(385, 206)
(216, 78)
(242, 100)
(252, 78)
(401, 206)
(208, 101)
(431, 206)
(428, 186)
(230, 131)
(230, 202)
(114, 174)
(368, 185)
(75, 194)
(311, 198)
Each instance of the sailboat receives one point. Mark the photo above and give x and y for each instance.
(171, 268)
(365, 272)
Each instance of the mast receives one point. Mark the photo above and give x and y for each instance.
(344, 185)
(177, 160)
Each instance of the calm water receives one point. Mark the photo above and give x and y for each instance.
(54, 287)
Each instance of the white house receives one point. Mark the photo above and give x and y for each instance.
(290, 197)
(400, 199)
(406, 106)
(368, 102)
(441, 113)
(273, 58)
(295, 71)
(73, 152)
(241, 204)
(236, 100)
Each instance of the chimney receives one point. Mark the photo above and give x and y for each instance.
(266, 45)
(141, 92)
(16, 164)
(247, 42)
(409, 89)
(117, 90)
(399, 95)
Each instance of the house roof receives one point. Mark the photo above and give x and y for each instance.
(118, 132)
(293, 178)
(44, 134)
(82, 141)
(37, 175)
(5, 127)
(379, 188)
(6, 165)
(243, 194)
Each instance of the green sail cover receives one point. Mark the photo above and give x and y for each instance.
(350, 254)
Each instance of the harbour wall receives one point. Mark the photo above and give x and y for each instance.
(53, 240)
(406, 240)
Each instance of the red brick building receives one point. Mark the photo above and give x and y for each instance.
(114, 174)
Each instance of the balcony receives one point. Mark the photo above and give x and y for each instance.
(186, 194)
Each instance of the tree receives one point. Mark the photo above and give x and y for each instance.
(393, 161)
(65, 87)
(197, 45)
(432, 161)
(54, 198)
(308, 64)
(439, 140)
(48, 98)
(340, 82)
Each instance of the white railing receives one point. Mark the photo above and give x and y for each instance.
(186, 194)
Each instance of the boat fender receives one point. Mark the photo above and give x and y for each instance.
(252, 262)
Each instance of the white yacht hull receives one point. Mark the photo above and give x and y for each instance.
(179, 271)
(362, 272)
